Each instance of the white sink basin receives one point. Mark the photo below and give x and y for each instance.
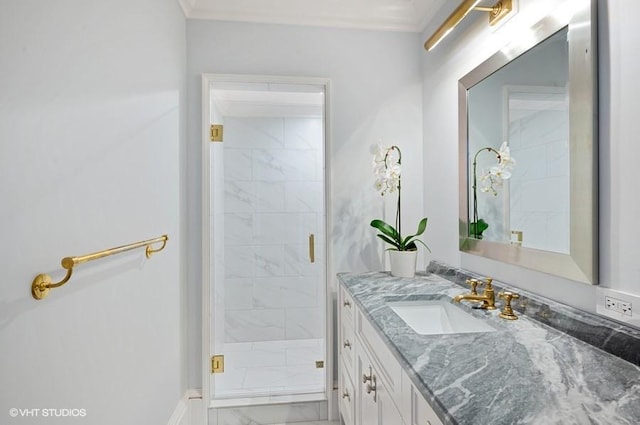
(434, 317)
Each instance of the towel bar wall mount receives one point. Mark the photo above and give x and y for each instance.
(42, 283)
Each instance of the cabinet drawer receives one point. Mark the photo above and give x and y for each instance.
(374, 402)
(421, 411)
(347, 346)
(388, 365)
(415, 409)
(347, 396)
(347, 307)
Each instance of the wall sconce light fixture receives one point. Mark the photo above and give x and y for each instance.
(498, 11)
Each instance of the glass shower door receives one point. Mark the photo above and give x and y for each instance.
(268, 237)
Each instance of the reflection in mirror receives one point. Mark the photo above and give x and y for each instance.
(528, 181)
(531, 203)
(538, 123)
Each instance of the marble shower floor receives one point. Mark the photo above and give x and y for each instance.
(257, 369)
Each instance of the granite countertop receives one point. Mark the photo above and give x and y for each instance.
(524, 373)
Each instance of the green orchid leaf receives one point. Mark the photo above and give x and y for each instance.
(411, 246)
(482, 225)
(391, 236)
(387, 229)
(422, 226)
(424, 244)
(476, 228)
(388, 240)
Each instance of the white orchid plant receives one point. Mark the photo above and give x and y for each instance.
(491, 181)
(387, 168)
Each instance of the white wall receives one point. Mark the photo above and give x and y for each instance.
(619, 65)
(92, 118)
(375, 96)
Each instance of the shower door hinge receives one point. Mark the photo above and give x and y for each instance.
(217, 364)
(216, 132)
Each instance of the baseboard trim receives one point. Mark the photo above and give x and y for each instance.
(186, 412)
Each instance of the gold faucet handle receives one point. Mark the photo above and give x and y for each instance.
(507, 311)
(489, 280)
(474, 284)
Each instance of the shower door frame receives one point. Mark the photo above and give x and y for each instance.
(329, 366)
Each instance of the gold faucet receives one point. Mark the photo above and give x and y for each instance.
(488, 298)
(507, 311)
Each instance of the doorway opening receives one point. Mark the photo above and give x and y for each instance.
(265, 231)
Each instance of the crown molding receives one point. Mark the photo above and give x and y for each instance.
(379, 15)
(330, 22)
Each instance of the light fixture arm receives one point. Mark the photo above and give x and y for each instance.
(498, 11)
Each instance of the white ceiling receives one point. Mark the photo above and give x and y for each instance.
(385, 15)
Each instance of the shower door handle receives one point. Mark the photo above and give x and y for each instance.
(312, 248)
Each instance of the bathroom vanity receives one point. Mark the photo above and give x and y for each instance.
(547, 367)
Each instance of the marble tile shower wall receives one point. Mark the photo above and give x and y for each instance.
(540, 181)
(273, 196)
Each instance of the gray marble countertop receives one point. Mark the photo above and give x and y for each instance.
(524, 373)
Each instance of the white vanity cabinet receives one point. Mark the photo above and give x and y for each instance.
(415, 409)
(373, 387)
(346, 357)
(374, 402)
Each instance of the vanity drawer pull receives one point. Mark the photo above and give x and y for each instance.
(366, 378)
(346, 303)
(345, 394)
(371, 388)
(347, 344)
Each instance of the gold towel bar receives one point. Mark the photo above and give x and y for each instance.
(42, 283)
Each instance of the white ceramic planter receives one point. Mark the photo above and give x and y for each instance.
(403, 263)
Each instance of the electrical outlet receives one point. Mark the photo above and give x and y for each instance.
(620, 306)
(617, 305)
(610, 303)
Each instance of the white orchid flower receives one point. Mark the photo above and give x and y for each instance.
(394, 171)
(487, 182)
(378, 153)
(392, 156)
(490, 180)
(386, 168)
(393, 183)
(500, 172)
(379, 170)
(505, 156)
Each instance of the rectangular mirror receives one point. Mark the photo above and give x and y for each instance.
(528, 162)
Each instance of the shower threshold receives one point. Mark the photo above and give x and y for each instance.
(271, 372)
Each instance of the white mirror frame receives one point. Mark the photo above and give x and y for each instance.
(581, 264)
